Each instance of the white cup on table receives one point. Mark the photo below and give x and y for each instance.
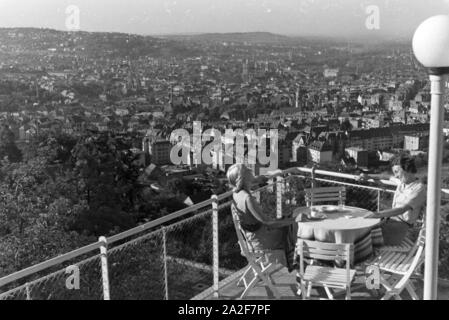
(313, 212)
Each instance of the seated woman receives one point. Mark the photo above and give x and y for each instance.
(261, 232)
(408, 202)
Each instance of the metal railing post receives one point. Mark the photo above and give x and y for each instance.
(215, 244)
(270, 185)
(256, 195)
(378, 200)
(164, 250)
(279, 185)
(104, 267)
(27, 290)
(312, 176)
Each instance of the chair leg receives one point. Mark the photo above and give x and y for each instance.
(348, 293)
(239, 282)
(390, 294)
(329, 293)
(249, 286)
(258, 273)
(243, 277)
(394, 289)
(270, 278)
(388, 287)
(387, 296)
(270, 284)
(309, 289)
(244, 293)
(303, 291)
(397, 296)
(411, 291)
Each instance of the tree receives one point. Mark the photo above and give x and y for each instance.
(8, 147)
(66, 192)
(37, 212)
(446, 152)
(53, 146)
(43, 208)
(346, 125)
(177, 187)
(105, 176)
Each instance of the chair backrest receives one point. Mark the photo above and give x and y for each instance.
(326, 194)
(325, 251)
(415, 256)
(414, 259)
(418, 232)
(243, 241)
(422, 234)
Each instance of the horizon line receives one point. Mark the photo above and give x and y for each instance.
(378, 36)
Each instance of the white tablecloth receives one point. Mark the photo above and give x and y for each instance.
(347, 225)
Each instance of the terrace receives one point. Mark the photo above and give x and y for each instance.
(189, 254)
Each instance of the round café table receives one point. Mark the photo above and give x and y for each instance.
(342, 225)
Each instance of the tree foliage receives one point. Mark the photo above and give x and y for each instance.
(65, 193)
(8, 147)
(105, 177)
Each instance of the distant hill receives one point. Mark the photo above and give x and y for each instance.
(272, 38)
(95, 43)
(250, 37)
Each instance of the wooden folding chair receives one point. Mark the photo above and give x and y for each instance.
(407, 244)
(397, 268)
(260, 264)
(314, 196)
(326, 277)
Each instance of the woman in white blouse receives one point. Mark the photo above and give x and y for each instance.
(408, 202)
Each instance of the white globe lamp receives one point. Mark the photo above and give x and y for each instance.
(431, 42)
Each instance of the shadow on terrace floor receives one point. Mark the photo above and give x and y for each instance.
(286, 284)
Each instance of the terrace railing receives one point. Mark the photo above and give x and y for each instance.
(189, 254)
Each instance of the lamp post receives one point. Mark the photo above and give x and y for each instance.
(431, 48)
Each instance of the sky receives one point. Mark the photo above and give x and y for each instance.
(395, 18)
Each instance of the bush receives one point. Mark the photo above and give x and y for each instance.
(443, 262)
